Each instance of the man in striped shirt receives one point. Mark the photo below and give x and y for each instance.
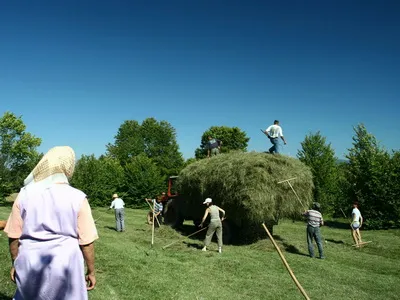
(158, 208)
(314, 221)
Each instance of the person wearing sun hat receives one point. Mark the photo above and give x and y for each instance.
(314, 221)
(118, 205)
(51, 233)
(215, 224)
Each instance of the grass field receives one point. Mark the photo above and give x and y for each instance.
(128, 268)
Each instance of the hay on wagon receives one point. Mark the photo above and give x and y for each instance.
(246, 186)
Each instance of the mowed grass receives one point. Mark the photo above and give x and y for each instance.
(129, 268)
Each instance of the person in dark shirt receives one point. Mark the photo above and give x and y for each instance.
(213, 146)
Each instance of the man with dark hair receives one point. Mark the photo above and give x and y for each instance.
(314, 221)
(213, 146)
(274, 132)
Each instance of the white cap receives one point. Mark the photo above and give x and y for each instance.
(208, 200)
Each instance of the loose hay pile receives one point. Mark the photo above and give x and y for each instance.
(246, 186)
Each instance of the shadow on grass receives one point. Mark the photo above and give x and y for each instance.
(334, 241)
(5, 297)
(193, 245)
(110, 228)
(337, 224)
(288, 247)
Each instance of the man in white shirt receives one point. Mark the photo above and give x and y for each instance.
(118, 204)
(274, 132)
(356, 224)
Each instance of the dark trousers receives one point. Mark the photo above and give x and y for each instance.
(314, 233)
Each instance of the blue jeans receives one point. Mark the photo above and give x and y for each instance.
(275, 145)
(120, 219)
(314, 233)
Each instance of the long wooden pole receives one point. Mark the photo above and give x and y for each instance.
(286, 264)
(184, 238)
(152, 231)
(152, 209)
(297, 196)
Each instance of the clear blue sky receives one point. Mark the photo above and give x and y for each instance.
(75, 70)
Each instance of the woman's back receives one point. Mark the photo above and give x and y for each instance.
(51, 213)
(214, 212)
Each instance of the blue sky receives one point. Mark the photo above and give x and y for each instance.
(75, 70)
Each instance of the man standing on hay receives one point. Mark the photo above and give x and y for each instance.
(213, 146)
(314, 221)
(215, 224)
(274, 132)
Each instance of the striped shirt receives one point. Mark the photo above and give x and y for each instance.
(158, 207)
(314, 218)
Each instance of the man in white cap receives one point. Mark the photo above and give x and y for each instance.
(118, 204)
(215, 224)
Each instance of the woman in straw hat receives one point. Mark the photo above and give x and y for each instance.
(215, 224)
(51, 233)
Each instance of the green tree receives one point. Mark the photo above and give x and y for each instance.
(370, 177)
(18, 153)
(233, 138)
(317, 154)
(155, 139)
(128, 142)
(143, 179)
(98, 178)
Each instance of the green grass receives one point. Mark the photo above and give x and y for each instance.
(128, 268)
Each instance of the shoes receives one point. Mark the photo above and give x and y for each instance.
(204, 249)
(322, 257)
(219, 250)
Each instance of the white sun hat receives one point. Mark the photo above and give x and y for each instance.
(208, 200)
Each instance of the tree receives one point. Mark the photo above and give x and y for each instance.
(370, 177)
(143, 179)
(98, 178)
(157, 140)
(18, 154)
(233, 138)
(320, 157)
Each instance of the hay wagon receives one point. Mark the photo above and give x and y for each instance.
(246, 186)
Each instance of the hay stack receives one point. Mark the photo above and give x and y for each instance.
(246, 186)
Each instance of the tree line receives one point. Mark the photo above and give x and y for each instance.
(143, 155)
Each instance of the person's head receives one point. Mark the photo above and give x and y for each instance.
(115, 196)
(159, 199)
(355, 204)
(163, 194)
(316, 206)
(276, 122)
(208, 202)
(209, 138)
(57, 162)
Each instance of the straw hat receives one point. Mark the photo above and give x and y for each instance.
(115, 196)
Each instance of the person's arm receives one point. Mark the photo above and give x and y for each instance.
(88, 256)
(208, 152)
(267, 131)
(219, 144)
(13, 245)
(321, 223)
(361, 220)
(87, 233)
(204, 217)
(281, 135)
(223, 213)
(112, 204)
